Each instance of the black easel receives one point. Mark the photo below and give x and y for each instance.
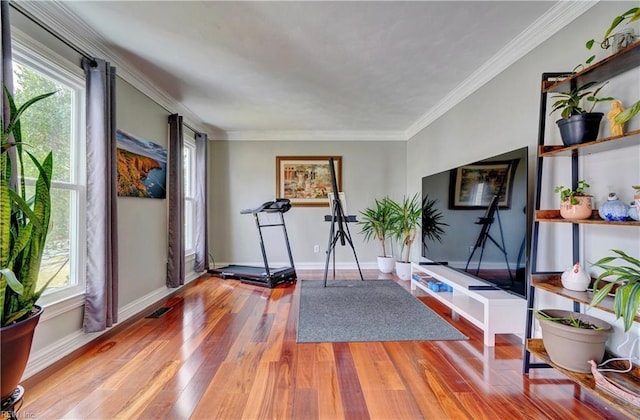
(486, 222)
(342, 232)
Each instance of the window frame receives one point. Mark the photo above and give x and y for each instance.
(190, 196)
(39, 58)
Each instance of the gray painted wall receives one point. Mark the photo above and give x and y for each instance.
(243, 175)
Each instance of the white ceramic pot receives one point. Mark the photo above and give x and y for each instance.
(386, 264)
(403, 270)
(579, 211)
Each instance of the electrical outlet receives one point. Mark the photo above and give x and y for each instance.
(316, 248)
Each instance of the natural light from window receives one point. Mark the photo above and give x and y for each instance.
(55, 124)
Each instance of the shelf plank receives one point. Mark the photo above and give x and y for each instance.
(629, 139)
(601, 71)
(629, 380)
(553, 216)
(552, 283)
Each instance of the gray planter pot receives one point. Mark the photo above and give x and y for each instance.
(580, 128)
(570, 347)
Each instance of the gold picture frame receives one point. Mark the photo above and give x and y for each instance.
(306, 180)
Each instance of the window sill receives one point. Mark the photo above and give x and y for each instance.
(56, 307)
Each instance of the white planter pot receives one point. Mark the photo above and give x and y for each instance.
(403, 270)
(386, 264)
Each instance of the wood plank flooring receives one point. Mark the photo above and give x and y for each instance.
(228, 350)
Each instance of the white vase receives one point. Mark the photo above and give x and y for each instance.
(403, 270)
(385, 264)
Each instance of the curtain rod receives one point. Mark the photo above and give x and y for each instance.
(53, 33)
(83, 53)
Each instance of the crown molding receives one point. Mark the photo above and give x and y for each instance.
(557, 17)
(317, 135)
(56, 16)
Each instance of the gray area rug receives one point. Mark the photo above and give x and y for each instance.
(370, 310)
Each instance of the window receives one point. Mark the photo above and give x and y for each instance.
(189, 194)
(56, 124)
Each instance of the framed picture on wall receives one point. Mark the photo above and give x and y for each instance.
(306, 180)
(474, 186)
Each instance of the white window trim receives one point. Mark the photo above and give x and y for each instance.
(189, 142)
(34, 54)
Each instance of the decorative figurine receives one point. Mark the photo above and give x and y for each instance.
(614, 128)
(576, 278)
(614, 210)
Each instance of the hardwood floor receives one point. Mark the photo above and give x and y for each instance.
(228, 350)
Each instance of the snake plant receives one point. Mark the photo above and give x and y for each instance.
(24, 219)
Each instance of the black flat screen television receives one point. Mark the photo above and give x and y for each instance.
(484, 207)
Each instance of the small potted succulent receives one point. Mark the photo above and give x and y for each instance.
(575, 204)
(376, 224)
(579, 124)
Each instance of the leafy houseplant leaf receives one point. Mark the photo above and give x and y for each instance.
(627, 296)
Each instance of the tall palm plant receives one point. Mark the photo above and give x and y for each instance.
(24, 220)
(376, 222)
(406, 219)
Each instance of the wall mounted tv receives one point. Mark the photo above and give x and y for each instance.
(484, 206)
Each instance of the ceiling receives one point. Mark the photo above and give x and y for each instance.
(300, 70)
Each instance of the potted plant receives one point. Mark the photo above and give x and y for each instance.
(24, 224)
(579, 124)
(626, 280)
(431, 221)
(376, 224)
(575, 204)
(620, 39)
(571, 339)
(405, 219)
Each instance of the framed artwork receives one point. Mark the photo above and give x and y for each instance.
(142, 166)
(474, 186)
(306, 180)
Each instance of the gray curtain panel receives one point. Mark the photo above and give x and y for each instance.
(201, 243)
(101, 297)
(175, 263)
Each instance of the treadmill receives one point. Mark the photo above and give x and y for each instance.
(263, 276)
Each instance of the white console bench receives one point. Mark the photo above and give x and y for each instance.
(493, 311)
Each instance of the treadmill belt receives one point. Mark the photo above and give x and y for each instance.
(248, 270)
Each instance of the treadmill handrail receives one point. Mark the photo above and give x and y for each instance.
(280, 205)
